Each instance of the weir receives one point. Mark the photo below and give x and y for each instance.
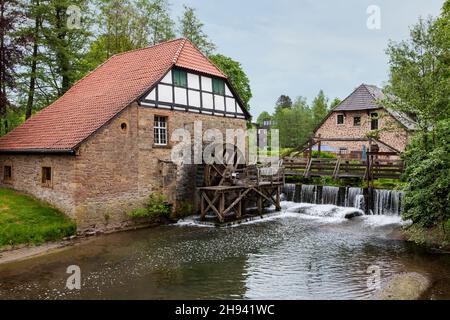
(370, 200)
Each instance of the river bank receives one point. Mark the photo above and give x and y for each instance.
(318, 255)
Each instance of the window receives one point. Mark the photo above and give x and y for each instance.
(340, 119)
(47, 176)
(179, 78)
(374, 121)
(218, 86)
(7, 173)
(267, 123)
(357, 121)
(343, 150)
(160, 127)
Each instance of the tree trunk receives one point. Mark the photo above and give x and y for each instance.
(32, 86)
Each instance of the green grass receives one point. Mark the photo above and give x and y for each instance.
(23, 219)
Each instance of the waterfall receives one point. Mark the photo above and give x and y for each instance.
(289, 191)
(308, 194)
(330, 195)
(384, 202)
(387, 202)
(354, 197)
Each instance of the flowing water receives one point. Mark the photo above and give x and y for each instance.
(305, 252)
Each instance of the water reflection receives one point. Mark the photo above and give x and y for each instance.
(289, 257)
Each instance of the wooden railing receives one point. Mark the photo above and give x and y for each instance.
(372, 168)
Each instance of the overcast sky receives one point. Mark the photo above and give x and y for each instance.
(298, 47)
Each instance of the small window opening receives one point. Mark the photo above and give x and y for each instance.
(374, 121)
(123, 126)
(7, 173)
(47, 176)
(357, 121)
(340, 119)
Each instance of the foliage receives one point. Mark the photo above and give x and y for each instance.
(420, 69)
(192, 28)
(319, 108)
(24, 219)
(183, 209)
(156, 206)
(294, 124)
(283, 102)
(238, 78)
(427, 177)
(153, 18)
(334, 103)
(11, 50)
(323, 154)
(263, 117)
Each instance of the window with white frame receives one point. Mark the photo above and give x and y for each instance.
(160, 131)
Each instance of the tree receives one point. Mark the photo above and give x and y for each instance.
(419, 85)
(319, 108)
(264, 116)
(284, 101)
(63, 45)
(192, 28)
(294, 124)
(236, 75)
(419, 72)
(334, 103)
(155, 15)
(11, 49)
(427, 178)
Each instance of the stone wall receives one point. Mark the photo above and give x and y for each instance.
(27, 177)
(116, 169)
(392, 132)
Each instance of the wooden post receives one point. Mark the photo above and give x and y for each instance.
(319, 147)
(277, 204)
(202, 207)
(222, 206)
(239, 206)
(260, 203)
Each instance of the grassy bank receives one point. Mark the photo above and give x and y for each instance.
(436, 237)
(23, 219)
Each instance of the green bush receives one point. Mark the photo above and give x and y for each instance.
(156, 206)
(323, 154)
(427, 177)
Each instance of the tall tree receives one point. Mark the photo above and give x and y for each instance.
(419, 71)
(10, 53)
(319, 107)
(284, 101)
(64, 44)
(238, 78)
(156, 15)
(192, 28)
(419, 85)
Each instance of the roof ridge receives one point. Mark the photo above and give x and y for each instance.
(354, 90)
(204, 56)
(177, 54)
(148, 47)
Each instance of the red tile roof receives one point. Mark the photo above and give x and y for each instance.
(100, 95)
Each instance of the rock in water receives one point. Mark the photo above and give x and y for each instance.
(353, 214)
(406, 286)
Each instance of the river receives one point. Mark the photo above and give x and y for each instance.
(304, 252)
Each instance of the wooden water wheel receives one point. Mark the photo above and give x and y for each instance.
(223, 170)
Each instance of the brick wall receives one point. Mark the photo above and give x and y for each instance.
(115, 169)
(391, 133)
(27, 177)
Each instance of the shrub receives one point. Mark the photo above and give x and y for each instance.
(427, 177)
(156, 206)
